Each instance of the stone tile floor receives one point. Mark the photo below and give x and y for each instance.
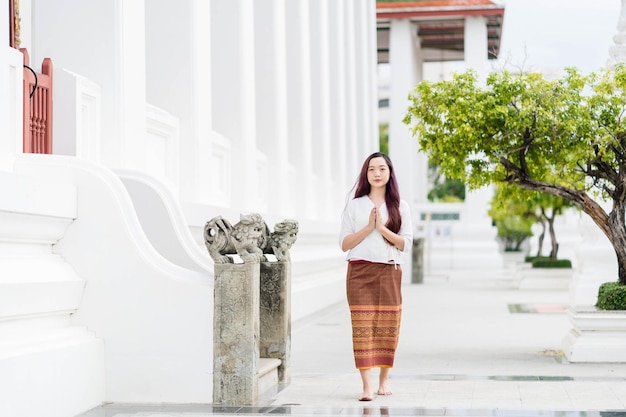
(470, 345)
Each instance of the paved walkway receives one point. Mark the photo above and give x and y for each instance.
(471, 344)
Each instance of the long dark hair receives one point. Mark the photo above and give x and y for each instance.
(392, 192)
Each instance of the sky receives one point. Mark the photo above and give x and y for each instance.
(553, 34)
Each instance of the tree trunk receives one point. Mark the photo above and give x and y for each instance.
(618, 239)
(540, 238)
(613, 227)
(555, 244)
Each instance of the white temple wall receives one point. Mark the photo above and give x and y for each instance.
(104, 42)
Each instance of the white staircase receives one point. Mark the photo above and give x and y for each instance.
(43, 356)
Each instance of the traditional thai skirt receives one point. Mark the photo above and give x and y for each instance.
(375, 302)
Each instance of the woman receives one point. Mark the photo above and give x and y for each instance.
(376, 228)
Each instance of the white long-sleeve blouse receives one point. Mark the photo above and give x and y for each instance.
(374, 248)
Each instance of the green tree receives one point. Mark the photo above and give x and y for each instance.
(383, 137)
(445, 190)
(512, 222)
(515, 206)
(564, 137)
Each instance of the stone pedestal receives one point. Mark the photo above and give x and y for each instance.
(544, 278)
(597, 335)
(275, 315)
(236, 332)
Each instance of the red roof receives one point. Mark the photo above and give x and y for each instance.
(438, 8)
(441, 25)
(434, 3)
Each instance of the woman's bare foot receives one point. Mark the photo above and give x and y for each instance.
(385, 388)
(366, 396)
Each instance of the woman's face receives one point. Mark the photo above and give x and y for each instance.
(378, 172)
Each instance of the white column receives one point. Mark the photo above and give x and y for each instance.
(271, 101)
(11, 70)
(474, 234)
(356, 154)
(199, 148)
(371, 64)
(617, 53)
(341, 155)
(405, 67)
(299, 106)
(233, 89)
(183, 32)
(107, 47)
(320, 105)
(367, 116)
(476, 44)
(132, 73)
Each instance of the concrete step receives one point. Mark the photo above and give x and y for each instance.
(268, 375)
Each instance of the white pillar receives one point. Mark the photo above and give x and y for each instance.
(617, 53)
(367, 113)
(299, 106)
(341, 157)
(179, 81)
(476, 44)
(320, 106)
(11, 70)
(271, 101)
(233, 89)
(370, 61)
(356, 154)
(405, 67)
(107, 47)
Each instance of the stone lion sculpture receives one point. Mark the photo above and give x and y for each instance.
(244, 238)
(280, 240)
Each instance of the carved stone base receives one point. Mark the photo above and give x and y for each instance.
(275, 316)
(597, 335)
(236, 334)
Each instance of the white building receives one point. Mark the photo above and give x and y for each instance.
(166, 114)
(423, 41)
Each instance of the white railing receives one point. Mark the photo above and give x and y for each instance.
(77, 103)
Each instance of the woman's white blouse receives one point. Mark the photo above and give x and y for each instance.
(374, 248)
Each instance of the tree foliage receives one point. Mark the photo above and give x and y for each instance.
(445, 190)
(383, 137)
(565, 137)
(515, 210)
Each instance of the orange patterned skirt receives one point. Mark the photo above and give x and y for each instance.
(375, 302)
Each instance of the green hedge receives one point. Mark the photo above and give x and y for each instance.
(552, 263)
(611, 296)
(547, 262)
(534, 258)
